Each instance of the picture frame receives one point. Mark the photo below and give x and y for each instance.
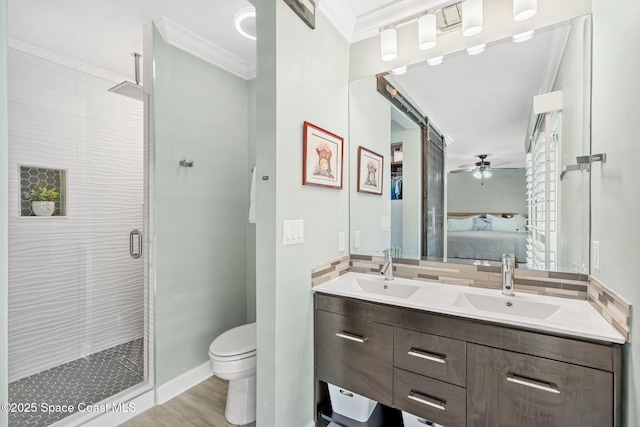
(322, 157)
(370, 168)
(305, 9)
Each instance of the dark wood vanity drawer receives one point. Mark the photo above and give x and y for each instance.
(517, 390)
(355, 354)
(434, 400)
(431, 355)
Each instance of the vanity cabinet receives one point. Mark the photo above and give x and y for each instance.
(513, 389)
(355, 354)
(437, 357)
(461, 372)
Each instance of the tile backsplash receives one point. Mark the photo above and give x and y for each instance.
(332, 269)
(611, 306)
(565, 285)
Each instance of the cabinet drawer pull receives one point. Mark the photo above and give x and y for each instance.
(424, 399)
(346, 393)
(540, 385)
(427, 356)
(351, 337)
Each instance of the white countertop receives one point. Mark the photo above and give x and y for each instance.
(573, 317)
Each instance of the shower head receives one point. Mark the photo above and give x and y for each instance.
(132, 90)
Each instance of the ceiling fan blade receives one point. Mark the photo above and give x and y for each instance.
(461, 170)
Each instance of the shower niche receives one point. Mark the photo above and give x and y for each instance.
(40, 184)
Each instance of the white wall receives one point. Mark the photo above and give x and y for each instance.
(251, 231)
(201, 213)
(308, 82)
(74, 288)
(574, 79)
(370, 127)
(503, 192)
(411, 190)
(4, 379)
(615, 194)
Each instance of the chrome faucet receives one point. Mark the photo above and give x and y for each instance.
(508, 269)
(387, 268)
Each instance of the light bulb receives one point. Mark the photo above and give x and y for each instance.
(388, 44)
(471, 17)
(476, 50)
(524, 9)
(427, 31)
(522, 37)
(435, 61)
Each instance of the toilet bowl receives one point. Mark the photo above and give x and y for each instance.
(233, 358)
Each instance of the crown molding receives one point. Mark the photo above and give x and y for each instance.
(183, 39)
(340, 15)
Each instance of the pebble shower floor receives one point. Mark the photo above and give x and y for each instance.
(87, 381)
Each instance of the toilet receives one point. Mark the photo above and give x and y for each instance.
(233, 358)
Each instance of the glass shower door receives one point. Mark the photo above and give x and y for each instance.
(76, 295)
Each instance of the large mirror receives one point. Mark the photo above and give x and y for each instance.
(479, 111)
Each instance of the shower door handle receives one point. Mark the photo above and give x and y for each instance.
(137, 254)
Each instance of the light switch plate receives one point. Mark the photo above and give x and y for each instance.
(595, 255)
(292, 232)
(385, 223)
(356, 239)
(341, 240)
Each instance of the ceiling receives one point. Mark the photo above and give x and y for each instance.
(104, 34)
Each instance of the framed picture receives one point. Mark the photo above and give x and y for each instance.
(305, 9)
(322, 154)
(370, 166)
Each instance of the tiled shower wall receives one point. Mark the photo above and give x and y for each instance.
(73, 287)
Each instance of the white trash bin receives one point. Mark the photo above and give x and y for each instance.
(410, 420)
(350, 404)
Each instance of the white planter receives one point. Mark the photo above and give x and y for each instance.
(43, 208)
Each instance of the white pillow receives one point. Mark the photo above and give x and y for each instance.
(508, 224)
(465, 224)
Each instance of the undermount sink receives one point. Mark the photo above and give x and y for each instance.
(385, 288)
(506, 305)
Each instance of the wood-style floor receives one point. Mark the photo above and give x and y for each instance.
(200, 406)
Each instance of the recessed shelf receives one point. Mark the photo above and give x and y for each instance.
(31, 176)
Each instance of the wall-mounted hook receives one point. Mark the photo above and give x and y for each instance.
(186, 163)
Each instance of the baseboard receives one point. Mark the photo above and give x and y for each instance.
(182, 383)
(118, 413)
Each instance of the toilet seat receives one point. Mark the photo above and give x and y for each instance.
(232, 358)
(235, 344)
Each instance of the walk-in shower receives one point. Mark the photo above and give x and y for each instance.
(76, 293)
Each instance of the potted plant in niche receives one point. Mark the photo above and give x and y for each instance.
(43, 199)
